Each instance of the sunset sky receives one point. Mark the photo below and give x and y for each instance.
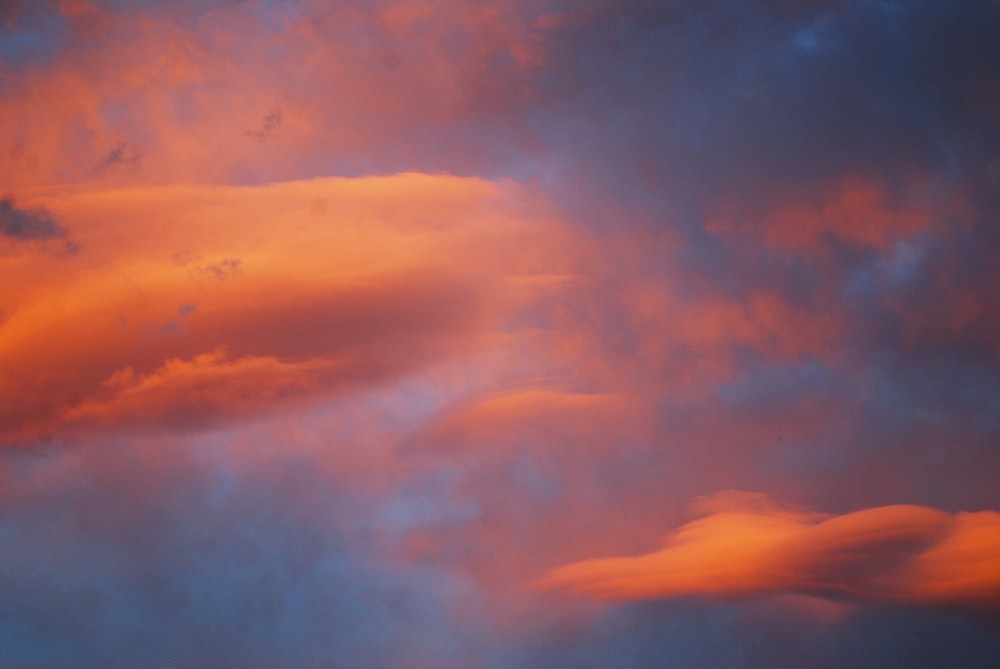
(513, 334)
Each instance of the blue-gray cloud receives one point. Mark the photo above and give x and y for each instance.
(28, 224)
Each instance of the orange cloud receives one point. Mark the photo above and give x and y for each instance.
(218, 301)
(748, 546)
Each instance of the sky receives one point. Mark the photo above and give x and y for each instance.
(430, 334)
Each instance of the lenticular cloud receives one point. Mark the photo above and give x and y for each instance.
(900, 554)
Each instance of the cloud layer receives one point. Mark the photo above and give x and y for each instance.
(325, 327)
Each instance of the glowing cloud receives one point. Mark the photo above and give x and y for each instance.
(747, 546)
(187, 304)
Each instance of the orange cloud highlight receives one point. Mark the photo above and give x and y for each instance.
(747, 546)
(189, 304)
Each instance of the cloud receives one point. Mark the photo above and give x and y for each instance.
(124, 154)
(267, 127)
(777, 273)
(28, 224)
(206, 390)
(856, 212)
(535, 418)
(404, 271)
(746, 546)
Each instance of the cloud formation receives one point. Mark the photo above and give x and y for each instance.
(226, 302)
(326, 325)
(747, 546)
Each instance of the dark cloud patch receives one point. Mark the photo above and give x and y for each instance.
(28, 224)
(268, 125)
(124, 154)
(223, 268)
(175, 325)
